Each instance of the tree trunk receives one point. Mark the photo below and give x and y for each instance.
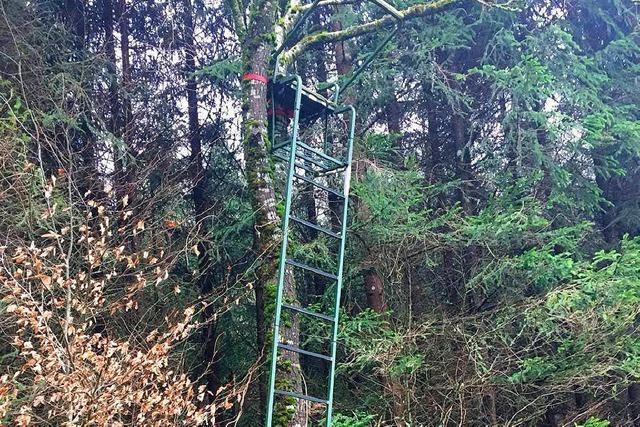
(256, 55)
(110, 50)
(633, 397)
(126, 73)
(393, 113)
(74, 16)
(344, 66)
(125, 172)
(126, 87)
(433, 162)
(463, 160)
(374, 289)
(114, 124)
(202, 205)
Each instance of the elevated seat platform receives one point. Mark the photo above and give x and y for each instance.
(312, 104)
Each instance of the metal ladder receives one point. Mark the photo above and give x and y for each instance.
(304, 165)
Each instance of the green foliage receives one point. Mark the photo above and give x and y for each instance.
(358, 419)
(366, 336)
(396, 205)
(407, 365)
(379, 146)
(595, 422)
(593, 312)
(534, 369)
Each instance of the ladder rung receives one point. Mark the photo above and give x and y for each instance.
(315, 227)
(305, 352)
(301, 396)
(312, 269)
(320, 164)
(298, 164)
(315, 151)
(317, 184)
(338, 163)
(308, 312)
(331, 169)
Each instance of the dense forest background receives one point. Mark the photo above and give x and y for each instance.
(493, 261)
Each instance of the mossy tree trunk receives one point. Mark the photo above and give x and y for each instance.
(257, 45)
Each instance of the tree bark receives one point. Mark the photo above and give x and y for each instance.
(344, 66)
(74, 15)
(463, 161)
(126, 72)
(202, 205)
(434, 160)
(633, 396)
(256, 54)
(374, 289)
(125, 173)
(393, 113)
(110, 50)
(114, 124)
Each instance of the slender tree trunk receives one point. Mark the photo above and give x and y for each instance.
(374, 289)
(607, 184)
(126, 128)
(340, 51)
(114, 124)
(201, 203)
(74, 16)
(633, 397)
(434, 160)
(463, 161)
(110, 50)
(126, 72)
(393, 114)
(125, 174)
(344, 66)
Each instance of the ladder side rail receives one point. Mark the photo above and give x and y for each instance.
(283, 255)
(370, 58)
(334, 335)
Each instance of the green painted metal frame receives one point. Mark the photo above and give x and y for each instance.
(343, 233)
(287, 218)
(291, 174)
(283, 254)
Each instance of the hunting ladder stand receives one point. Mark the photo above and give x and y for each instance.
(294, 108)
